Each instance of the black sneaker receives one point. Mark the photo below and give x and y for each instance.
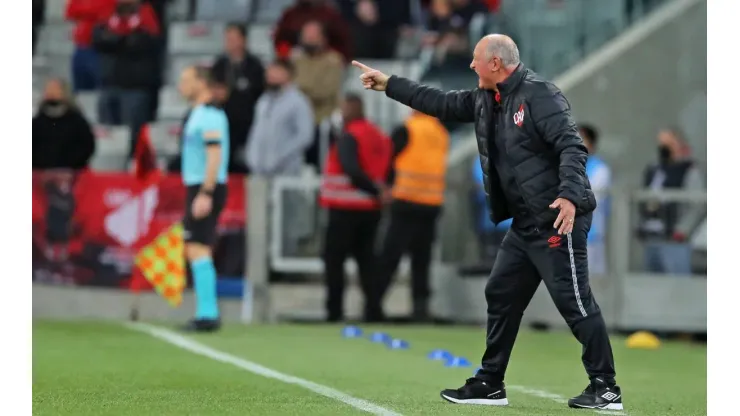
(476, 391)
(202, 325)
(598, 395)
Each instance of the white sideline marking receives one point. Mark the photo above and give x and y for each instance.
(200, 349)
(558, 398)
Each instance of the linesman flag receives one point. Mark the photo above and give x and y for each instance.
(162, 263)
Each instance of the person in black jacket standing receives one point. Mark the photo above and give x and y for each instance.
(244, 75)
(534, 167)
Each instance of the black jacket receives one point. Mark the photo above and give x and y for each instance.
(65, 142)
(127, 61)
(543, 156)
(246, 82)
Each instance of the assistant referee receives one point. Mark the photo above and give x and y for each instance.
(205, 156)
(534, 167)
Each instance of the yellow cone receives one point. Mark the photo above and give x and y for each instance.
(643, 340)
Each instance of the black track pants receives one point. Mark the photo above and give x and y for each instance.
(562, 263)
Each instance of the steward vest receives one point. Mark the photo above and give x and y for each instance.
(374, 151)
(421, 166)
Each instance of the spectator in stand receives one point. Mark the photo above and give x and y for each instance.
(448, 27)
(39, 10)
(283, 127)
(319, 74)
(290, 25)
(244, 76)
(600, 176)
(62, 137)
(160, 11)
(85, 65)
(375, 25)
(128, 42)
(665, 226)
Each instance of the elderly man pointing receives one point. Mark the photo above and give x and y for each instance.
(534, 167)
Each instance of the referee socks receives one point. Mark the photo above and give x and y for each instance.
(204, 280)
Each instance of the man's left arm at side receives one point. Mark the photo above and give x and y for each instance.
(553, 121)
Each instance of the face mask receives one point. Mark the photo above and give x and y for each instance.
(53, 108)
(664, 154)
(272, 87)
(310, 49)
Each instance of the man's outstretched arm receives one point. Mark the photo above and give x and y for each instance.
(448, 106)
(456, 106)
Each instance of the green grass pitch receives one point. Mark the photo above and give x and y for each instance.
(96, 369)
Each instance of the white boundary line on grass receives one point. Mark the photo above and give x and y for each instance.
(202, 350)
(557, 398)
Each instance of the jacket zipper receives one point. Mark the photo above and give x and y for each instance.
(516, 179)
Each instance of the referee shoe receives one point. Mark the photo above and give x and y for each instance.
(202, 325)
(598, 395)
(476, 391)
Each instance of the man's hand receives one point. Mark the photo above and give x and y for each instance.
(202, 205)
(372, 79)
(564, 222)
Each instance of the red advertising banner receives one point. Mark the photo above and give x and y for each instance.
(88, 226)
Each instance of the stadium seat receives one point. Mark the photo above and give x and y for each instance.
(111, 149)
(260, 42)
(55, 10)
(269, 11)
(171, 104)
(223, 10)
(179, 63)
(55, 39)
(165, 138)
(88, 104)
(200, 38)
(178, 10)
(603, 21)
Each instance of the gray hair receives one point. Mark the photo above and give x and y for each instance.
(504, 48)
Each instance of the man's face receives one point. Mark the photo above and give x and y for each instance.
(312, 35)
(54, 91)
(587, 142)
(486, 67)
(668, 139)
(188, 84)
(277, 76)
(234, 42)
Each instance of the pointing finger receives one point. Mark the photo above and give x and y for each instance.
(362, 66)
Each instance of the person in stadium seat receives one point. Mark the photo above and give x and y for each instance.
(283, 126)
(448, 27)
(354, 188)
(128, 44)
(666, 226)
(420, 147)
(375, 25)
(319, 74)
(62, 137)
(289, 27)
(85, 64)
(600, 176)
(244, 76)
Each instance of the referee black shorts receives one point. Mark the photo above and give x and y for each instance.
(203, 230)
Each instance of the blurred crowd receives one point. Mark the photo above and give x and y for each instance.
(121, 50)
(278, 109)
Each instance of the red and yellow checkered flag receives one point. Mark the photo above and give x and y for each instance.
(162, 262)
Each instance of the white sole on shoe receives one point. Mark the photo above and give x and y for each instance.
(483, 402)
(610, 406)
